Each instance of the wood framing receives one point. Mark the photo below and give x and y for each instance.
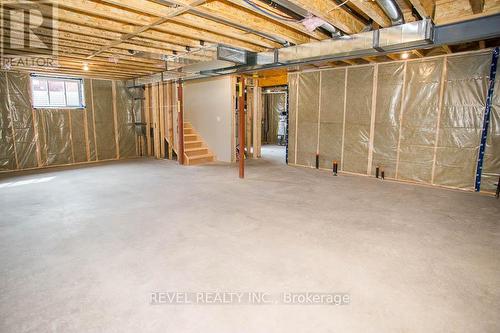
(147, 113)
(115, 120)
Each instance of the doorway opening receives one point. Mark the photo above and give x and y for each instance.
(274, 130)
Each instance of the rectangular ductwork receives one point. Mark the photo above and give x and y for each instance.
(347, 46)
(410, 35)
(402, 37)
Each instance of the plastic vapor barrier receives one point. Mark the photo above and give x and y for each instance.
(89, 112)
(22, 119)
(55, 136)
(78, 145)
(491, 166)
(7, 153)
(460, 124)
(104, 120)
(425, 127)
(36, 138)
(292, 115)
(307, 118)
(387, 117)
(358, 119)
(331, 117)
(126, 122)
(420, 116)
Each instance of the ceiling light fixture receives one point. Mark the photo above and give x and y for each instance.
(85, 67)
(405, 55)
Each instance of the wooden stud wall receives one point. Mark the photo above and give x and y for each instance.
(86, 133)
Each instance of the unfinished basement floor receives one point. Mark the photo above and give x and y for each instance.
(82, 249)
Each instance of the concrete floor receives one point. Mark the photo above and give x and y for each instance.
(82, 249)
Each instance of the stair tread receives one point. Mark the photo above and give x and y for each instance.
(196, 149)
(200, 156)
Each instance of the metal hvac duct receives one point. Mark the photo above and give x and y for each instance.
(401, 37)
(392, 10)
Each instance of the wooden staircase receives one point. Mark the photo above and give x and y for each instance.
(195, 149)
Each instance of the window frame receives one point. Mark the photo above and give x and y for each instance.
(47, 78)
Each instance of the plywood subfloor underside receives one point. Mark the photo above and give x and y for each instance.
(82, 251)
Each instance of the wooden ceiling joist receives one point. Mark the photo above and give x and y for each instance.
(138, 30)
(189, 20)
(330, 12)
(243, 17)
(317, 35)
(170, 27)
(373, 11)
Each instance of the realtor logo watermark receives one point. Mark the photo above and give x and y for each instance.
(29, 34)
(248, 298)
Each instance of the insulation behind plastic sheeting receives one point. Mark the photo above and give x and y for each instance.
(307, 129)
(420, 116)
(7, 154)
(358, 119)
(90, 119)
(55, 139)
(461, 120)
(491, 166)
(388, 109)
(78, 135)
(22, 116)
(104, 119)
(332, 117)
(292, 115)
(126, 121)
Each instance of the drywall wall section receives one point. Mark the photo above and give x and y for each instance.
(208, 106)
(418, 120)
(36, 138)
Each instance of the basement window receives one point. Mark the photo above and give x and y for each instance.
(56, 92)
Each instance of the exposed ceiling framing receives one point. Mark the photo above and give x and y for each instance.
(113, 36)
